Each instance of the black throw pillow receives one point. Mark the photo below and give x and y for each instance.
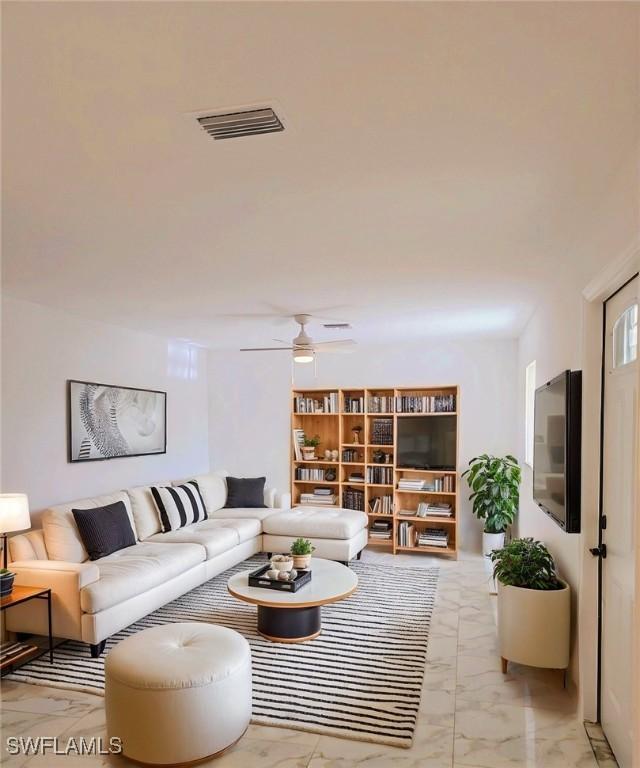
(245, 492)
(104, 530)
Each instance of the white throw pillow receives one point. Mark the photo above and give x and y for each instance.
(213, 488)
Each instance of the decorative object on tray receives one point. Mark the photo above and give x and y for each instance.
(285, 581)
(301, 549)
(6, 582)
(282, 563)
(309, 447)
(107, 422)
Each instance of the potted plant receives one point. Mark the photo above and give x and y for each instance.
(309, 447)
(495, 486)
(6, 581)
(534, 606)
(301, 550)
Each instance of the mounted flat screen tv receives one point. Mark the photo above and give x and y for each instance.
(557, 449)
(426, 442)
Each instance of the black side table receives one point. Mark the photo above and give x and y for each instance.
(21, 595)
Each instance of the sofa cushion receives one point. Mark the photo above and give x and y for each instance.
(245, 492)
(245, 527)
(61, 534)
(213, 535)
(240, 513)
(134, 570)
(316, 522)
(144, 510)
(179, 505)
(104, 530)
(213, 489)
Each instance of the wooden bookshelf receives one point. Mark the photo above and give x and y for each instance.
(352, 426)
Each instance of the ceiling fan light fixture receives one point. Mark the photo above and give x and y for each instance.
(303, 355)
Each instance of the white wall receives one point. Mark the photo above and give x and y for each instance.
(249, 422)
(41, 350)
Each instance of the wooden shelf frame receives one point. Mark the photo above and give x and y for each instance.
(335, 432)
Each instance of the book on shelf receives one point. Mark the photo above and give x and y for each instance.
(306, 473)
(406, 535)
(323, 491)
(382, 505)
(380, 475)
(380, 404)
(433, 537)
(351, 456)
(326, 404)
(411, 484)
(318, 498)
(426, 509)
(353, 498)
(298, 442)
(382, 432)
(353, 404)
(356, 477)
(381, 529)
(416, 403)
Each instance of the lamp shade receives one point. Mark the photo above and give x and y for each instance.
(14, 512)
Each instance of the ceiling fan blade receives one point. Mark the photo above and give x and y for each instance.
(266, 349)
(281, 341)
(334, 343)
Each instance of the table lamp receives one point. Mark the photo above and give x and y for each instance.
(14, 516)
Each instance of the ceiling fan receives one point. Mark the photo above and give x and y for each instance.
(304, 348)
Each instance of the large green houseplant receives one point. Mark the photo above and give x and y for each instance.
(533, 606)
(495, 492)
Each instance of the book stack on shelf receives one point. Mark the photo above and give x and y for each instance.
(382, 432)
(351, 456)
(425, 403)
(355, 477)
(381, 530)
(381, 505)
(406, 535)
(412, 484)
(377, 404)
(304, 473)
(380, 475)
(433, 537)
(327, 404)
(353, 404)
(352, 498)
(320, 496)
(426, 509)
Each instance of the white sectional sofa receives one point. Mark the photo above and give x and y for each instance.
(95, 599)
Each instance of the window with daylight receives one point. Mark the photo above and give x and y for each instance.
(529, 404)
(625, 337)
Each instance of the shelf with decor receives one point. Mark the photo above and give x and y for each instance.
(379, 434)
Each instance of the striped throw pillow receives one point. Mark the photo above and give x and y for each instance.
(178, 505)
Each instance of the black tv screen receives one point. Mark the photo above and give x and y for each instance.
(556, 451)
(427, 442)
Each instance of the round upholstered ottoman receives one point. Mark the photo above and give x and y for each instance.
(178, 693)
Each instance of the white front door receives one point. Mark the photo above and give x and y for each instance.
(619, 506)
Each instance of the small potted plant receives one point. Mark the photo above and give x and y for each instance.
(495, 486)
(6, 582)
(301, 549)
(534, 606)
(309, 447)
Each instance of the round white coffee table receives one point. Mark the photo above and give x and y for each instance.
(293, 618)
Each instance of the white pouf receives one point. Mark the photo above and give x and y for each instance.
(178, 693)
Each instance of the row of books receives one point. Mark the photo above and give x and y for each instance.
(353, 404)
(433, 537)
(380, 475)
(425, 403)
(381, 530)
(426, 509)
(381, 505)
(381, 404)
(382, 432)
(304, 473)
(351, 455)
(327, 404)
(321, 496)
(412, 484)
(352, 498)
(443, 484)
(298, 442)
(406, 535)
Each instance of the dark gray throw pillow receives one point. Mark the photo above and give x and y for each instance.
(245, 492)
(104, 530)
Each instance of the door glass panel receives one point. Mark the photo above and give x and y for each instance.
(625, 337)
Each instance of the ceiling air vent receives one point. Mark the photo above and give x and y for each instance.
(338, 326)
(235, 124)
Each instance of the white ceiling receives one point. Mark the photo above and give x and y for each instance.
(439, 164)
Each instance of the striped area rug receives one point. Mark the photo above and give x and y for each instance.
(361, 679)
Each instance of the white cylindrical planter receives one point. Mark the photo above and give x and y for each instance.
(491, 541)
(534, 626)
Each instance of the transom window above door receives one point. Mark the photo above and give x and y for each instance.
(625, 337)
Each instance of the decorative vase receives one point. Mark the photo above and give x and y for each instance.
(330, 475)
(309, 453)
(491, 541)
(534, 626)
(301, 562)
(284, 563)
(6, 583)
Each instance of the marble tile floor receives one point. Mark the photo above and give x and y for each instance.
(471, 715)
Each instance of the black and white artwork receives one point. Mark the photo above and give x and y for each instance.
(107, 422)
